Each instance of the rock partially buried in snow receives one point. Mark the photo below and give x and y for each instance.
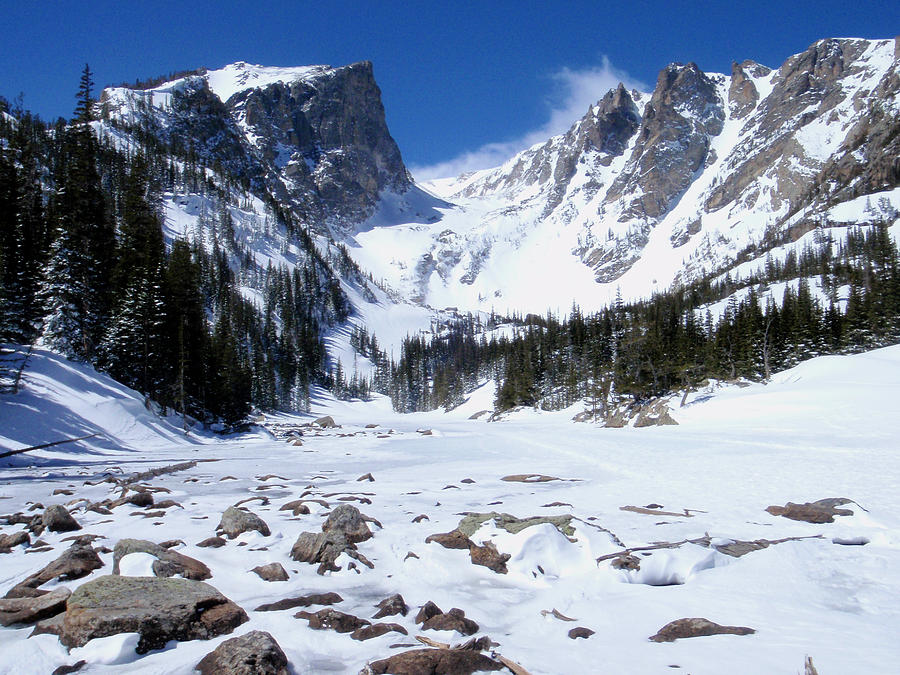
(326, 422)
(377, 630)
(331, 619)
(696, 627)
(455, 619)
(580, 632)
(392, 606)
(818, 512)
(488, 556)
(76, 562)
(529, 478)
(212, 542)
(271, 572)
(167, 564)
(32, 610)
(256, 653)
(302, 601)
(236, 521)
(57, 519)
(434, 662)
(9, 541)
(159, 609)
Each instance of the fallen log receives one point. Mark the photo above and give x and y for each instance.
(10, 453)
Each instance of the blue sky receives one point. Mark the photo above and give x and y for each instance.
(463, 83)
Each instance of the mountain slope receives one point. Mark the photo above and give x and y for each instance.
(647, 191)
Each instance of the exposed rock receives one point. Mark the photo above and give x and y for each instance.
(309, 547)
(455, 619)
(77, 561)
(326, 422)
(272, 572)
(331, 619)
(167, 564)
(488, 556)
(70, 668)
(255, 653)
(297, 507)
(212, 542)
(302, 601)
(821, 511)
(696, 627)
(435, 662)
(392, 606)
(452, 539)
(528, 478)
(472, 521)
(426, 611)
(159, 609)
(235, 521)
(141, 499)
(420, 518)
(377, 630)
(347, 521)
(31, 610)
(57, 519)
(655, 414)
(366, 477)
(580, 632)
(626, 561)
(8, 541)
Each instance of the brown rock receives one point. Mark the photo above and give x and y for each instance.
(167, 564)
(302, 601)
(366, 477)
(141, 499)
(159, 609)
(8, 541)
(57, 519)
(427, 611)
(212, 542)
(420, 518)
(392, 606)
(349, 522)
(377, 630)
(821, 511)
(435, 662)
(76, 562)
(488, 556)
(331, 619)
(32, 610)
(696, 627)
(580, 632)
(272, 572)
(256, 653)
(455, 619)
(528, 478)
(67, 669)
(297, 507)
(453, 539)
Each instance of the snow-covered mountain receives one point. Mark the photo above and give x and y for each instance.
(649, 190)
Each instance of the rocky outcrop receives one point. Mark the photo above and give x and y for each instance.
(341, 531)
(434, 662)
(159, 609)
(256, 653)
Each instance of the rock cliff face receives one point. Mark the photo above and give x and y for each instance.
(314, 137)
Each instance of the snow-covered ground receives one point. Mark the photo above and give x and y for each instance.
(826, 428)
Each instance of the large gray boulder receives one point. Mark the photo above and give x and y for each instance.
(256, 653)
(236, 521)
(159, 609)
(347, 521)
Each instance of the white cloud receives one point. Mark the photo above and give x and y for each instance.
(574, 92)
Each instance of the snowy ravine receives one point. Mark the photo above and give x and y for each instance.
(826, 428)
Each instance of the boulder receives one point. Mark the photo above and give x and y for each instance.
(302, 601)
(212, 542)
(580, 632)
(57, 519)
(167, 564)
(392, 606)
(349, 522)
(297, 507)
(472, 521)
(455, 619)
(32, 610)
(453, 539)
(377, 630)
(236, 521)
(309, 547)
(9, 541)
(77, 561)
(272, 572)
(142, 499)
(256, 653)
(818, 512)
(159, 609)
(696, 627)
(326, 422)
(435, 662)
(331, 619)
(426, 611)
